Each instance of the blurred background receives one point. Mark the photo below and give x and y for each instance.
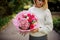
(9, 8)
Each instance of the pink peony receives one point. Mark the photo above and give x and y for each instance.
(23, 23)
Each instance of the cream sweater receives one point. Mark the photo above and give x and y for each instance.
(45, 22)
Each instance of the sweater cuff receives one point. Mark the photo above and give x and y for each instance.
(44, 30)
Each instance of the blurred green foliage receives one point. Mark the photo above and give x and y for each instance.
(56, 23)
(7, 7)
(5, 20)
(17, 5)
(5, 10)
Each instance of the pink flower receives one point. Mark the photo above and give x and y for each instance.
(18, 18)
(31, 26)
(23, 23)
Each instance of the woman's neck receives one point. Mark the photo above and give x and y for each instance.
(37, 6)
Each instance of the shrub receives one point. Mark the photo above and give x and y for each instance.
(56, 23)
(4, 21)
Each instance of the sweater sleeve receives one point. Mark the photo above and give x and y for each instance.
(48, 24)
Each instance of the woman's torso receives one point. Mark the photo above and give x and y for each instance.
(40, 13)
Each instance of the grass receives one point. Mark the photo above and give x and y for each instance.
(5, 20)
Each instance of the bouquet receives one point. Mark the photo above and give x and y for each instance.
(25, 21)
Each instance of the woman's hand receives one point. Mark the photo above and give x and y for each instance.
(34, 30)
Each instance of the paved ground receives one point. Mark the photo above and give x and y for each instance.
(10, 33)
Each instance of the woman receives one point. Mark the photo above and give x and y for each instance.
(40, 9)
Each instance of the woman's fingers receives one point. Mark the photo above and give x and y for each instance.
(35, 30)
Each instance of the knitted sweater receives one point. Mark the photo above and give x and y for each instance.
(45, 22)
